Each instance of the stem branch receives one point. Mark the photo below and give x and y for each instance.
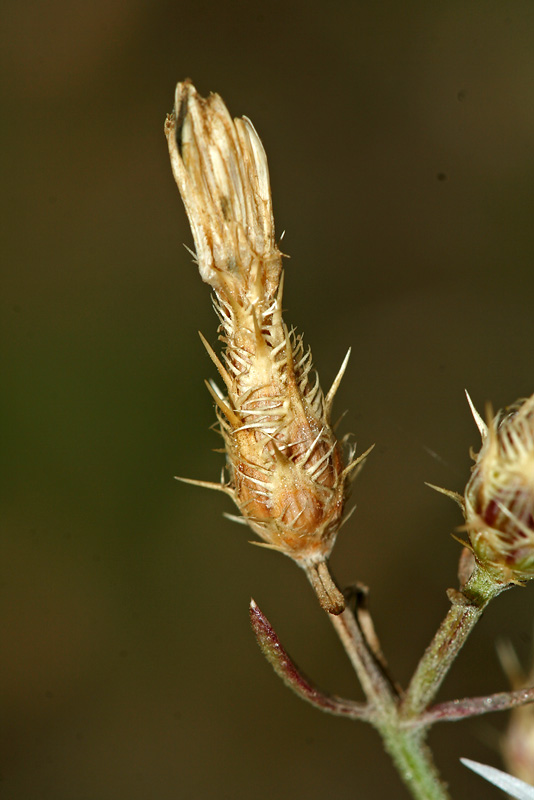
(467, 608)
(375, 685)
(400, 720)
(405, 745)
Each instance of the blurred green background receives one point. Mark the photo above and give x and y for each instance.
(401, 144)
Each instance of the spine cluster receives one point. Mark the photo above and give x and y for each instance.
(499, 498)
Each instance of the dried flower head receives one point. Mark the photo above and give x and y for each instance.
(285, 467)
(499, 498)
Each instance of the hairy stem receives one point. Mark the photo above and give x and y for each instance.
(394, 716)
(406, 746)
(375, 684)
(467, 608)
(413, 761)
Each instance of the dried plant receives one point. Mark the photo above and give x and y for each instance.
(285, 467)
(288, 474)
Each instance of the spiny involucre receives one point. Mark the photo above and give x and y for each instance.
(499, 498)
(285, 466)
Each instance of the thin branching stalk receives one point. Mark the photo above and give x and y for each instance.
(375, 684)
(465, 707)
(466, 610)
(406, 746)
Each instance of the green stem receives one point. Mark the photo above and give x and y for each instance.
(467, 608)
(376, 687)
(414, 763)
(405, 745)
(395, 718)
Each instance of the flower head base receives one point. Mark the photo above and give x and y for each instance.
(286, 472)
(499, 498)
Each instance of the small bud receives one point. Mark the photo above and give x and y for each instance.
(285, 466)
(499, 498)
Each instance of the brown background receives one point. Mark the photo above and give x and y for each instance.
(401, 142)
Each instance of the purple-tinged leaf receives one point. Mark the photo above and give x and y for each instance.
(475, 706)
(286, 669)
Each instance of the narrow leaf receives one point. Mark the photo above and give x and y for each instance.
(286, 669)
(513, 786)
(475, 706)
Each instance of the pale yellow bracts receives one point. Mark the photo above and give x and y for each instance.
(286, 472)
(499, 498)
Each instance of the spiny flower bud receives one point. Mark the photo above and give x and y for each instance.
(499, 498)
(285, 467)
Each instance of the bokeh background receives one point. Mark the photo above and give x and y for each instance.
(401, 143)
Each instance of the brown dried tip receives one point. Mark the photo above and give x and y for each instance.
(286, 471)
